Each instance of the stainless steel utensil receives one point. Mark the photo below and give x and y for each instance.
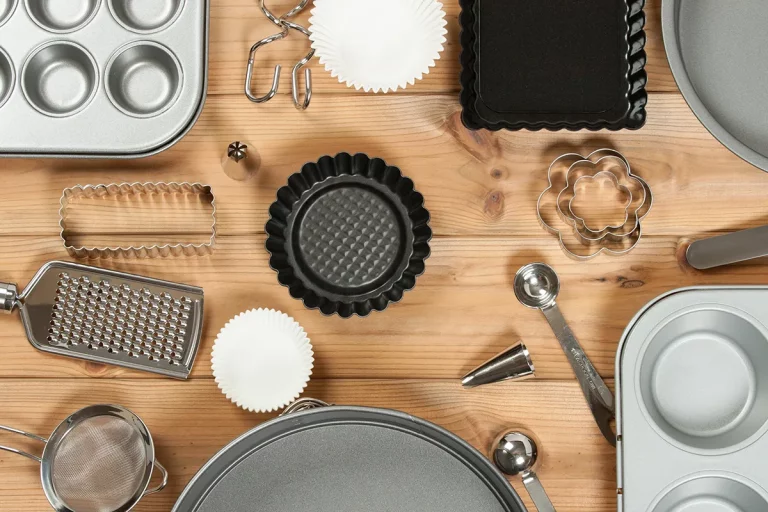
(183, 194)
(576, 239)
(515, 453)
(536, 286)
(136, 70)
(284, 23)
(110, 317)
(727, 249)
(99, 459)
(241, 161)
(513, 363)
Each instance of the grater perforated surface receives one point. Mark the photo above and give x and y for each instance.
(102, 317)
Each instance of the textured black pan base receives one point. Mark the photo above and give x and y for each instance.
(542, 101)
(348, 235)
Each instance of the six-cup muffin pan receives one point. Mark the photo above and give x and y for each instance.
(692, 413)
(100, 78)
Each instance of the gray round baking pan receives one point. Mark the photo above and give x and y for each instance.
(145, 16)
(7, 77)
(348, 459)
(61, 17)
(716, 50)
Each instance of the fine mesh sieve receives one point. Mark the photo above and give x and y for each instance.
(110, 317)
(100, 459)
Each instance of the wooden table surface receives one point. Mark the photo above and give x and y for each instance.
(481, 190)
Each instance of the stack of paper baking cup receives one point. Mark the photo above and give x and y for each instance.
(262, 360)
(378, 45)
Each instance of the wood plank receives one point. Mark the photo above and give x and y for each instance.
(237, 24)
(577, 470)
(474, 183)
(462, 311)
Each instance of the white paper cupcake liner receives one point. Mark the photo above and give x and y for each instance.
(378, 45)
(262, 360)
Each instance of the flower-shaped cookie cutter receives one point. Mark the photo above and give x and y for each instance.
(568, 213)
(564, 174)
(612, 163)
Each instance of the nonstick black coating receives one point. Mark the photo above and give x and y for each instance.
(349, 459)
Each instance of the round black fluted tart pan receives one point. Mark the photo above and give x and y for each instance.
(348, 235)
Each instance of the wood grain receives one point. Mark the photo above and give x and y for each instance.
(237, 24)
(475, 183)
(462, 311)
(192, 421)
(481, 189)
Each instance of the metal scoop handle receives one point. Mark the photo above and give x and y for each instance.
(537, 492)
(599, 397)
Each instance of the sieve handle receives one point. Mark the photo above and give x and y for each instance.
(162, 484)
(19, 452)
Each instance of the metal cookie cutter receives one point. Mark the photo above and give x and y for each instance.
(182, 190)
(284, 23)
(563, 175)
(568, 214)
(616, 167)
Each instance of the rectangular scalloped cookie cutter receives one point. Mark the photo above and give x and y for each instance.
(137, 189)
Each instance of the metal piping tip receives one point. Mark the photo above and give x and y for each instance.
(513, 363)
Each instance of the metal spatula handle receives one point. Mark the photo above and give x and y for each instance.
(728, 249)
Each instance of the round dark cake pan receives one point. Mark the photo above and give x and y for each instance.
(348, 235)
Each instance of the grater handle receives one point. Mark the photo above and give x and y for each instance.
(9, 297)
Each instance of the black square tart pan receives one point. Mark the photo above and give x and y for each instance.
(348, 235)
(556, 65)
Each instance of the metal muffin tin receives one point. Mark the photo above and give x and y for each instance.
(692, 381)
(100, 78)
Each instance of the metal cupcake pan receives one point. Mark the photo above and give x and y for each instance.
(693, 402)
(100, 78)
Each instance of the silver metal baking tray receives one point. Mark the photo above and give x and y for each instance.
(100, 78)
(692, 413)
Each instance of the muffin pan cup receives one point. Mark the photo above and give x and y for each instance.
(692, 413)
(60, 17)
(100, 78)
(7, 77)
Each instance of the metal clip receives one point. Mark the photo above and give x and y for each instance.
(284, 23)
